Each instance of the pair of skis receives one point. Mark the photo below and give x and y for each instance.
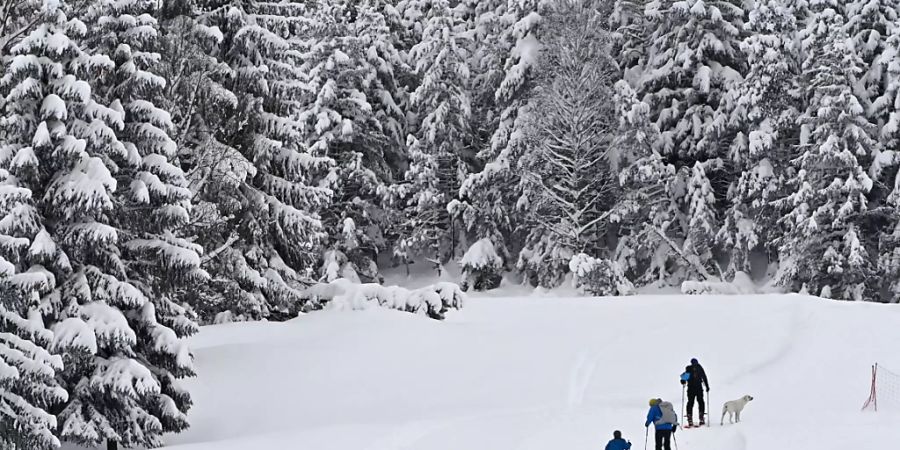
(688, 427)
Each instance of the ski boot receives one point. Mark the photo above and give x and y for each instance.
(690, 423)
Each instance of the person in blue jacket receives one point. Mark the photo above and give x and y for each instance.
(617, 443)
(665, 421)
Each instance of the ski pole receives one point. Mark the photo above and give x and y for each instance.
(674, 440)
(646, 436)
(682, 401)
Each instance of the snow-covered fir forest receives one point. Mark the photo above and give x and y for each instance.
(168, 163)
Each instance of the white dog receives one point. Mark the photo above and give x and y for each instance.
(734, 408)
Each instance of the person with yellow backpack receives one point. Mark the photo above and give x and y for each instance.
(665, 421)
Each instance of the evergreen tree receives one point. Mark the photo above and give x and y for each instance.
(437, 165)
(822, 248)
(693, 58)
(413, 17)
(693, 61)
(482, 267)
(258, 186)
(505, 63)
(763, 110)
(648, 213)
(351, 115)
(702, 221)
(85, 157)
(630, 36)
(884, 170)
(29, 391)
(17, 19)
(198, 94)
(869, 23)
(569, 185)
(877, 40)
(157, 203)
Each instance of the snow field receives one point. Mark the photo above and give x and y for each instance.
(534, 373)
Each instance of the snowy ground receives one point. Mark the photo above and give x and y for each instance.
(541, 373)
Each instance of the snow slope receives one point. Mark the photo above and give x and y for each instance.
(539, 373)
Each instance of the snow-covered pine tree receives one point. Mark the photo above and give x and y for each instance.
(44, 152)
(885, 108)
(482, 267)
(630, 36)
(569, 186)
(599, 277)
(29, 390)
(822, 247)
(412, 14)
(875, 28)
(763, 111)
(153, 258)
(437, 163)
(888, 264)
(693, 61)
(351, 115)
(702, 222)
(259, 188)
(93, 269)
(504, 67)
(869, 24)
(693, 57)
(648, 213)
(17, 19)
(199, 97)
(884, 170)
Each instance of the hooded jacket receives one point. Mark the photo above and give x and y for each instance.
(695, 377)
(618, 444)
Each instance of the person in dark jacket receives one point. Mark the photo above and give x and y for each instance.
(665, 421)
(617, 443)
(695, 378)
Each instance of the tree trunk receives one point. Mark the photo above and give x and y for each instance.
(112, 445)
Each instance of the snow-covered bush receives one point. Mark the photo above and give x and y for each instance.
(599, 277)
(336, 265)
(342, 294)
(481, 266)
(545, 263)
(741, 285)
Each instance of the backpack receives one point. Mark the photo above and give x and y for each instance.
(668, 414)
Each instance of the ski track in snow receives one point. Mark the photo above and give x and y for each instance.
(800, 317)
(582, 373)
(580, 378)
(741, 440)
(407, 436)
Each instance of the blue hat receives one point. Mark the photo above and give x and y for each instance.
(694, 361)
